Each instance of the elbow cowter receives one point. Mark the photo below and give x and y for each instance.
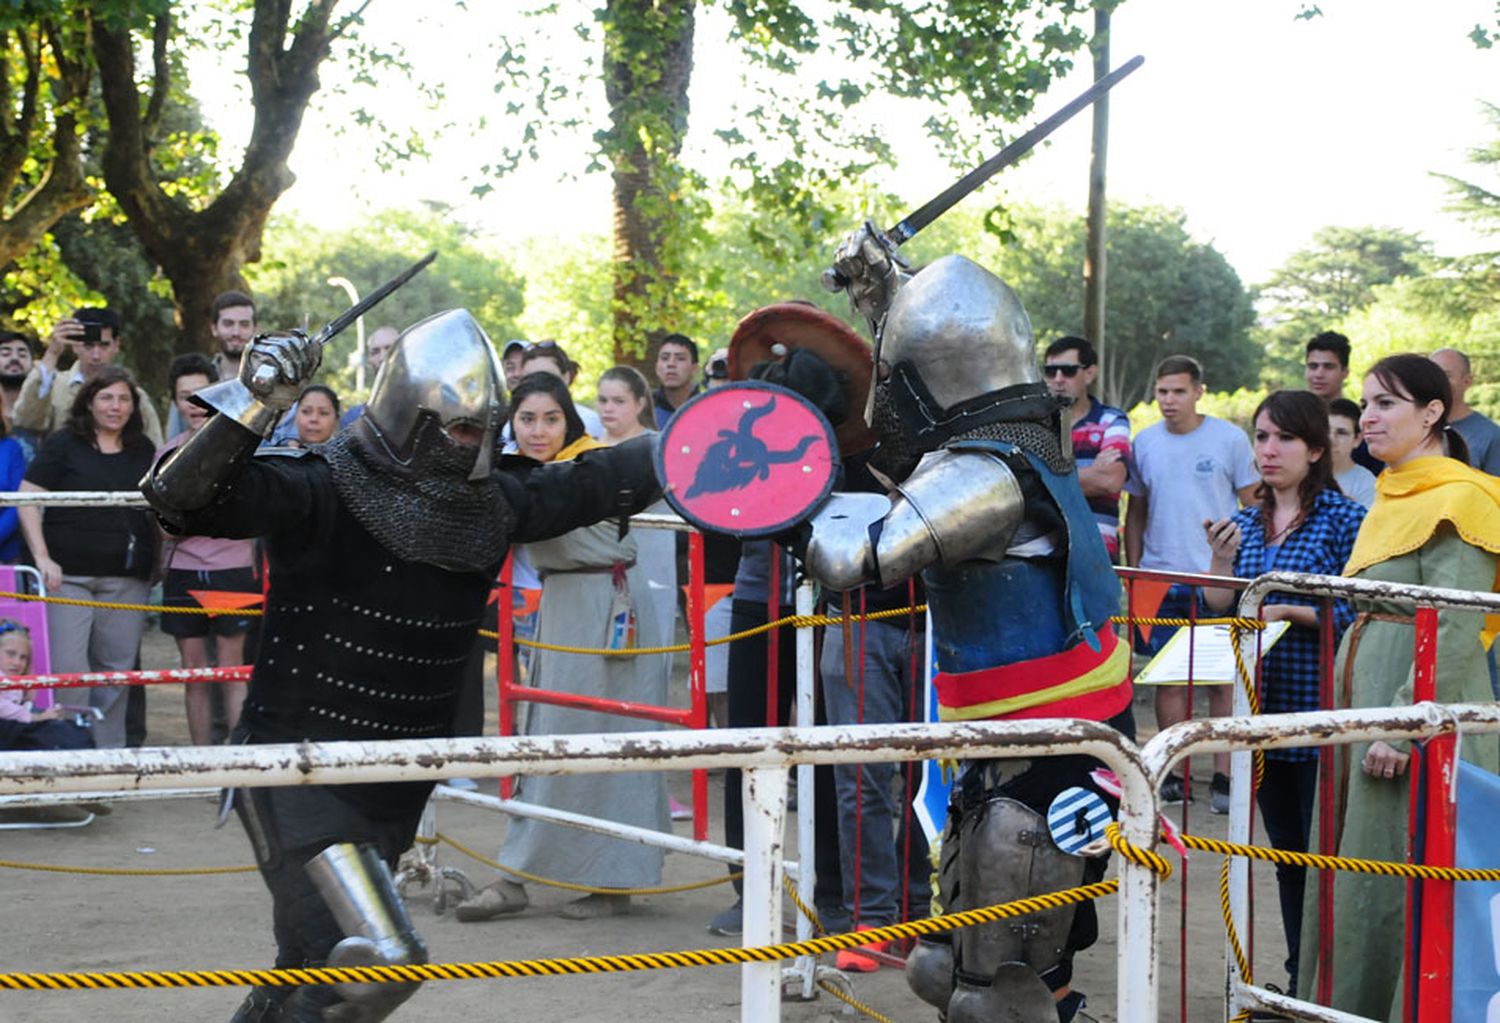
(194, 475)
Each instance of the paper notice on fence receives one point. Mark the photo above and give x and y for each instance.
(1204, 654)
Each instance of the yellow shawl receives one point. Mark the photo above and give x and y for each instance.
(578, 447)
(1410, 502)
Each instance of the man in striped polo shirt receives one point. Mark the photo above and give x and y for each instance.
(1101, 433)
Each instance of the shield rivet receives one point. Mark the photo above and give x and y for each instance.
(686, 450)
(735, 512)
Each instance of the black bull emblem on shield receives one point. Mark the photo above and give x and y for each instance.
(738, 457)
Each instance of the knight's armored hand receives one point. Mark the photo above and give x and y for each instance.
(870, 268)
(276, 368)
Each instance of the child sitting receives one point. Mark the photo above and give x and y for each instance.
(21, 727)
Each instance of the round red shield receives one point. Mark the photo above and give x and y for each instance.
(749, 459)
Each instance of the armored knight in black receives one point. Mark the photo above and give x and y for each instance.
(382, 545)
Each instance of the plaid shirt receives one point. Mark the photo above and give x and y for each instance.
(1320, 545)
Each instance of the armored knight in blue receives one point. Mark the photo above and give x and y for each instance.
(986, 505)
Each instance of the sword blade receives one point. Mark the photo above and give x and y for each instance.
(370, 301)
(945, 200)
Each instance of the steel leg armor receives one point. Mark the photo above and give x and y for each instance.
(999, 852)
(357, 885)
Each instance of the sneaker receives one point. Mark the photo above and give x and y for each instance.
(1218, 794)
(1173, 791)
(729, 923)
(834, 917)
(677, 811)
(854, 960)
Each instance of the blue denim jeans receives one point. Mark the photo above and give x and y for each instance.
(886, 843)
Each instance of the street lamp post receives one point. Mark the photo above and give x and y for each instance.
(359, 330)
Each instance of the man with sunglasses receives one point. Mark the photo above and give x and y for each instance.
(1101, 433)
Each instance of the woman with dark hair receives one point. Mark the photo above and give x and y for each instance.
(625, 406)
(98, 554)
(594, 595)
(1435, 522)
(1302, 524)
(316, 416)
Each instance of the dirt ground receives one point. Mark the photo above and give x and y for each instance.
(59, 921)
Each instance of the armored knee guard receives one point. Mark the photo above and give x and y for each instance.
(929, 966)
(359, 890)
(1006, 853)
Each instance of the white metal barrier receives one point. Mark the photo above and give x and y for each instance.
(764, 755)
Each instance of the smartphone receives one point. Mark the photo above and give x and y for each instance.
(93, 333)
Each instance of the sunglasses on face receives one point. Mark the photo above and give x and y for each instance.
(1067, 369)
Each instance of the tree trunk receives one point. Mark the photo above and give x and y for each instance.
(62, 187)
(201, 251)
(648, 63)
(1094, 256)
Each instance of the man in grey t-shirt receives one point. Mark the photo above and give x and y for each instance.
(1478, 431)
(1190, 469)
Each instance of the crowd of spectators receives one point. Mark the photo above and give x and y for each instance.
(1199, 495)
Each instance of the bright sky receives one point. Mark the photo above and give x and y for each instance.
(1262, 127)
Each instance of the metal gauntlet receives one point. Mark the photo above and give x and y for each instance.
(954, 507)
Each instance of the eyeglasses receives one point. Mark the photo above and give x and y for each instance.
(1067, 369)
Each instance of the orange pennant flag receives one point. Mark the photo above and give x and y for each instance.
(1146, 596)
(712, 593)
(225, 600)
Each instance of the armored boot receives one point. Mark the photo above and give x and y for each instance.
(358, 888)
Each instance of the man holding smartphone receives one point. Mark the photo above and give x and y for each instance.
(92, 335)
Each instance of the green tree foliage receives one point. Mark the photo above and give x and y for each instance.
(1166, 293)
(798, 133)
(1427, 313)
(45, 73)
(292, 290)
(1330, 279)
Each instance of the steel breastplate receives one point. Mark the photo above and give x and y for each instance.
(1052, 603)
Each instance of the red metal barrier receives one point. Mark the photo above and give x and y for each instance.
(698, 673)
(695, 715)
(1434, 967)
(91, 679)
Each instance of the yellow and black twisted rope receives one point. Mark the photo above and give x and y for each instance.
(1148, 858)
(96, 980)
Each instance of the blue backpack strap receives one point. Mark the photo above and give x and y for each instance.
(1093, 589)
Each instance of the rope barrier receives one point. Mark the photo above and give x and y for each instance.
(1153, 861)
(1148, 858)
(796, 621)
(51, 868)
(1242, 673)
(109, 605)
(854, 1003)
(1242, 961)
(1316, 861)
(572, 966)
